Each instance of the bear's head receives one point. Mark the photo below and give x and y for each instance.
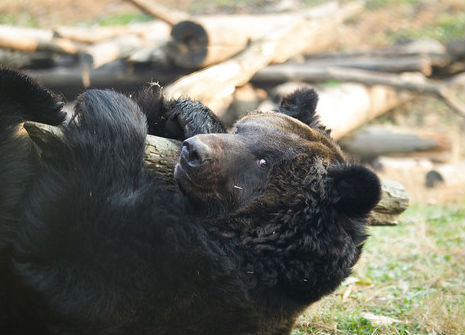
(272, 159)
(287, 195)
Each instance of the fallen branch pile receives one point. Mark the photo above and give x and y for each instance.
(209, 57)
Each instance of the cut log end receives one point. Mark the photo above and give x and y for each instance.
(188, 47)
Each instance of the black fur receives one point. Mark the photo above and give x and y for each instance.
(301, 105)
(90, 240)
(178, 119)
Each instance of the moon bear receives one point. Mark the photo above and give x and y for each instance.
(265, 218)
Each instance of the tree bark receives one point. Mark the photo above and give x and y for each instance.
(161, 155)
(375, 141)
(394, 201)
(345, 107)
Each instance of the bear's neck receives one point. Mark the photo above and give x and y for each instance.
(300, 254)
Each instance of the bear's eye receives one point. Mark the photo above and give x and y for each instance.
(262, 163)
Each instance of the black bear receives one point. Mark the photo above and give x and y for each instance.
(267, 218)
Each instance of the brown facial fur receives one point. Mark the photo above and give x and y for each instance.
(232, 175)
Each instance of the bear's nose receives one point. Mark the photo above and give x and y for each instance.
(195, 152)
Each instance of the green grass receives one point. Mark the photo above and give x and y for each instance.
(413, 273)
(378, 4)
(20, 19)
(444, 27)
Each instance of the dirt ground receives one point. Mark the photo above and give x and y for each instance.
(368, 30)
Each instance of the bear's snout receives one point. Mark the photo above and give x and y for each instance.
(195, 152)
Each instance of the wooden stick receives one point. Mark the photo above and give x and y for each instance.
(161, 155)
(212, 85)
(30, 40)
(160, 12)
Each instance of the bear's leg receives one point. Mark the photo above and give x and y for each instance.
(21, 99)
(108, 130)
(178, 119)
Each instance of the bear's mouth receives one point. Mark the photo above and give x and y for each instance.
(181, 174)
(188, 178)
(183, 177)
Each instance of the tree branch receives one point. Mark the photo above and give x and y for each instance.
(161, 155)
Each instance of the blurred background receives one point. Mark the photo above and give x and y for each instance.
(391, 80)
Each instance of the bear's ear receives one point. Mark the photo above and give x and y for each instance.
(29, 100)
(356, 189)
(302, 105)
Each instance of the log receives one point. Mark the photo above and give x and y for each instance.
(374, 141)
(165, 14)
(346, 107)
(414, 82)
(31, 40)
(116, 74)
(152, 31)
(105, 52)
(156, 56)
(216, 83)
(90, 35)
(206, 40)
(437, 54)
(452, 175)
(394, 201)
(161, 155)
(456, 48)
(403, 165)
(314, 69)
(20, 59)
